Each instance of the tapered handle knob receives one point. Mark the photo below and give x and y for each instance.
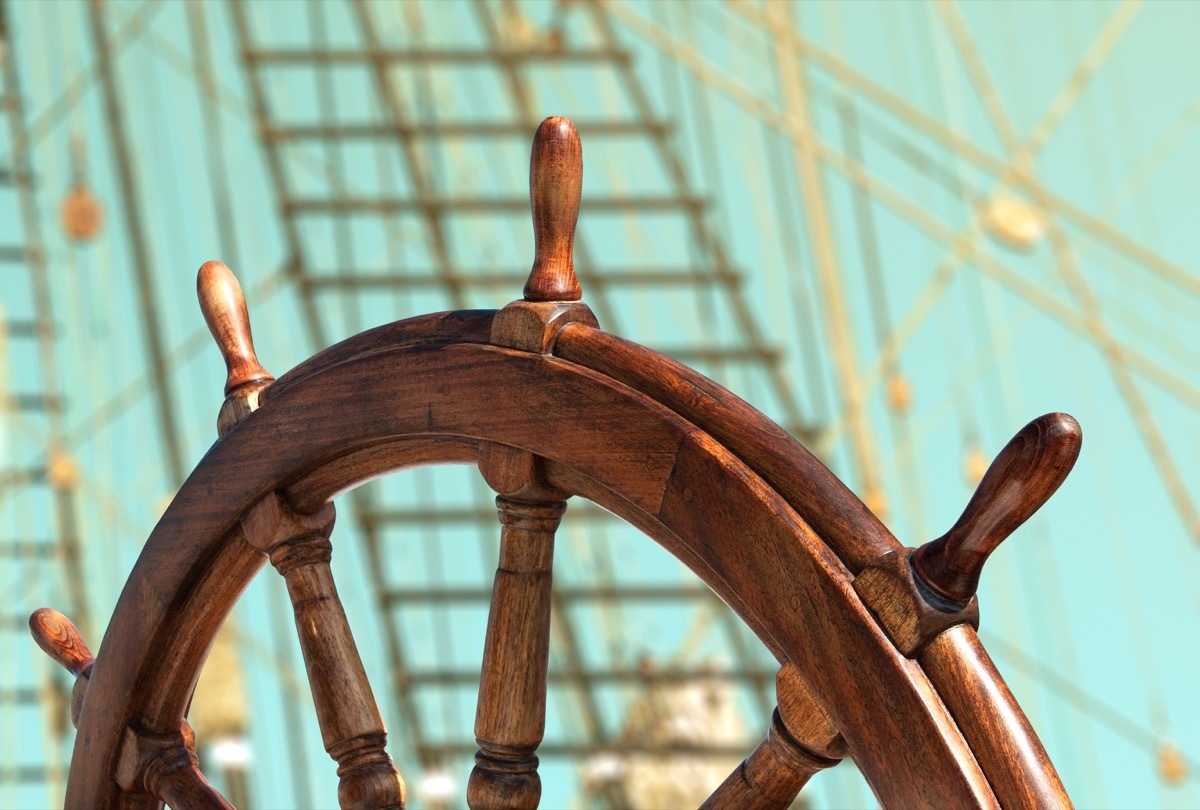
(1022, 478)
(60, 640)
(224, 309)
(555, 183)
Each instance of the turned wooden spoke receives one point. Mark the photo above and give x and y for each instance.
(351, 726)
(801, 741)
(882, 659)
(165, 767)
(511, 715)
(184, 786)
(771, 776)
(299, 548)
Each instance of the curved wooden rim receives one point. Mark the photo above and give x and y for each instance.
(1015, 761)
(421, 390)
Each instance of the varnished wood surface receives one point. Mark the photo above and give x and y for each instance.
(436, 328)
(510, 718)
(907, 611)
(867, 669)
(771, 776)
(59, 639)
(188, 789)
(306, 494)
(1029, 469)
(224, 310)
(1027, 473)
(804, 717)
(853, 532)
(533, 326)
(164, 768)
(1005, 744)
(190, 573)
(555, 185)
(892, 720)
(351, 727)
(613, 436)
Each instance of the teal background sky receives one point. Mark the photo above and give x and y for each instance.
(915, 117)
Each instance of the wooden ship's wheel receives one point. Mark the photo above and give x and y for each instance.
(879, 660)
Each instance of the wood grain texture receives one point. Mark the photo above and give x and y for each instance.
(191, 572)
(533, 325)
(771, 776)
(164, 768)
(794, 613)
(908, 611)
(555, 185)
(804, 718)
(1004, 743)
(435, 329)
(601, 439)
(511, 716)
(1023, 477)
(59, 638)
(224, 309)
(185, 787)
(549, 407)
(892, 720)
(824, 502)
(351, 726)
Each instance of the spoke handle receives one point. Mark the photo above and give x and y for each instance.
(60, 640)
(1023, 477)
(555, 185)
(224, 308)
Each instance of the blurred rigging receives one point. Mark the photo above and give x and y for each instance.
(41, 558)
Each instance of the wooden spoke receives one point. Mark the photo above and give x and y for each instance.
(801, 741)
(805, 720)
(299, 548)
(771, 776)
(165, 767)
(511, 715)
(351, 726)
(881, 657)
(185, 786)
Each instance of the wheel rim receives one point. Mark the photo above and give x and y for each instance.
(379, 391)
